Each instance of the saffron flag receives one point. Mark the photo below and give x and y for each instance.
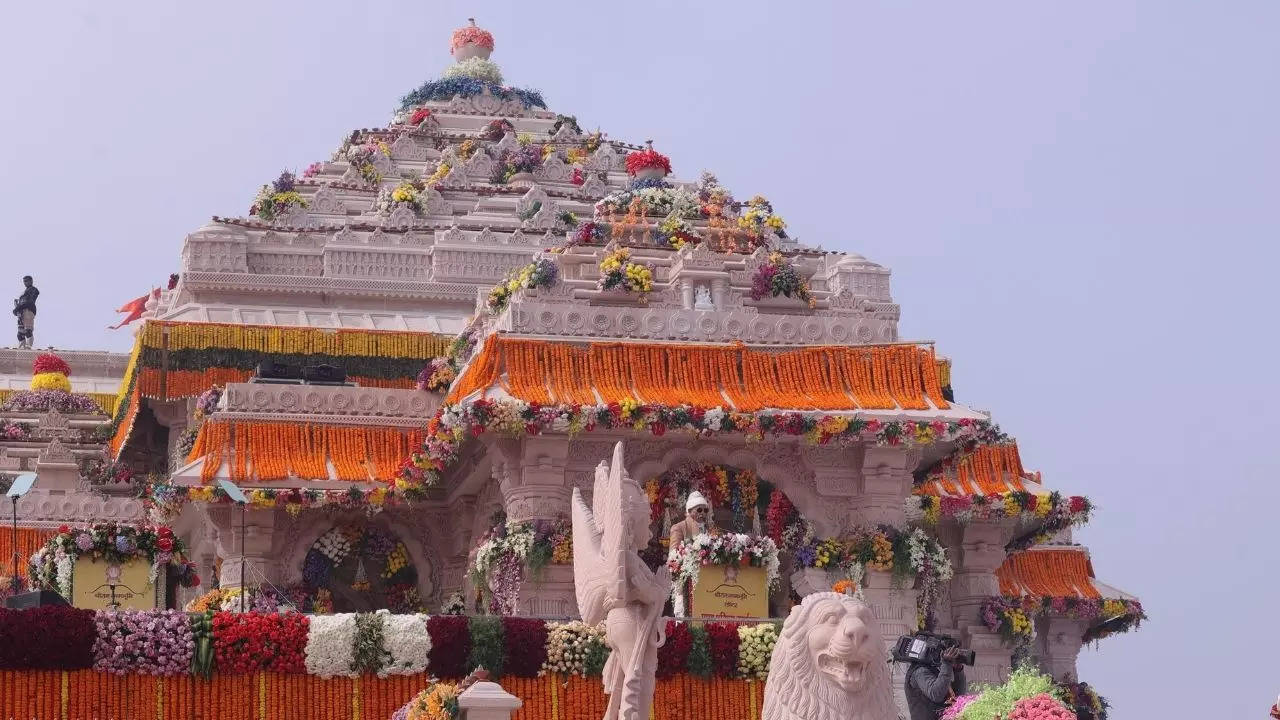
(134, 308)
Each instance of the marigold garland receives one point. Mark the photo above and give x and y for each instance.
(278, 451)
(820, 378)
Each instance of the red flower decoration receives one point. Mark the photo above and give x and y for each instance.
(63, 529)
(1078, 504)
(673, 655)
(644, 159)
(165, 543)
(251, 642)
(525, 643)
(46, 638)
(450, 645)
(419, 115)
(722, 643)
(48, 362)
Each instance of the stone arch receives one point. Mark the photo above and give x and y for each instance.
(777, 468)
(418, 538)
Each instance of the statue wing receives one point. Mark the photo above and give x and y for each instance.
(590, 573)
(597, 540)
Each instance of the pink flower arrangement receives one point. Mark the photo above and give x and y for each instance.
(957, 706)
(148, 642)
(470, 35)
(644, 159)
(1041, 707)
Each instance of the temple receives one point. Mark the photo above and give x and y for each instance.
(410, 354)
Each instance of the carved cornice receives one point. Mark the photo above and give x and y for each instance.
(319, 403)
(364, 287)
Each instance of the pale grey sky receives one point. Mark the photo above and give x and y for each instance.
(1080, 202)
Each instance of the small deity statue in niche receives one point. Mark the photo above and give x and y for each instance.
(702, 299)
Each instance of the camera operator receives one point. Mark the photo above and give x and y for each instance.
(930, 689)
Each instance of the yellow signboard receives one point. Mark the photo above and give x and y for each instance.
(92, 584)
(734, 591)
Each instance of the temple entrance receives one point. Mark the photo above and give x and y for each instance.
(360, 568)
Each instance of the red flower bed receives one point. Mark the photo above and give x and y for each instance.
(722, 642)
(525, 641)
(450, 645)
(674, 653)
(48, 362)
(644, 159)
(249, 642)
(47, 638)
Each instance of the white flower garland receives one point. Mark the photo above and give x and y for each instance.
(568, 645)
(331, 643)
(755, 649)
(406, 641)
(334, 545)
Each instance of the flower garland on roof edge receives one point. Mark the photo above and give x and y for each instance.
(1012, 617)
(452, 424)
(1055, 511)
(516, 418)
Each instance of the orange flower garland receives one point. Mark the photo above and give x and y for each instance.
(821, 378)
(278, 451)
(1047, 573)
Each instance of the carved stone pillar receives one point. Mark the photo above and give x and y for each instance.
(174, 415)
(886, 480)
(720, 293)
(686, 294)
(1058, 641)
(536, 488)
(980, 552)
(260, 558)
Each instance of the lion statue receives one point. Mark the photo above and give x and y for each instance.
(829, 664)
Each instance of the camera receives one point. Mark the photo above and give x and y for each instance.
(927, 648)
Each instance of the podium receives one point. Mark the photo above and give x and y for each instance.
(103, 585)
(730, 591)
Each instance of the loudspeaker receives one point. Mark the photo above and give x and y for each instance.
(272, 370)
(33, 599)
(324, 374)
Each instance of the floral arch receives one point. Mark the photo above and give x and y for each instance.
(360, 566)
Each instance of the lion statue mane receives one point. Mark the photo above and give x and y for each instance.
(829, 664)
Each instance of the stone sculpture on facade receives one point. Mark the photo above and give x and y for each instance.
(614, 586)
(829, 662)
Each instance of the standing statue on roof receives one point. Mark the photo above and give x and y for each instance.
(614, 586)
(24, 308)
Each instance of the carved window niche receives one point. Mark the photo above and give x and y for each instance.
(359, 568)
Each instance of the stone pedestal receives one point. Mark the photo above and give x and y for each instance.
(992, 655)
(1057, 644)
(488, 701)
(895, 611)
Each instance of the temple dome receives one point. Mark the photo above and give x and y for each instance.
(471, 41)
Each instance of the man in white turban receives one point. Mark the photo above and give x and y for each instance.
(697, 520)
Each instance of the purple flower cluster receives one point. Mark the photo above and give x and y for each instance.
(284, 183)
(149, 642)
(208, 401)
(42, 400)
(84, 541)
(124, 545)
(762, 281)
(315, 569)
(377, 543)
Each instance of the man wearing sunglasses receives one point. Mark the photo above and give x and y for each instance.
(697, 520)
